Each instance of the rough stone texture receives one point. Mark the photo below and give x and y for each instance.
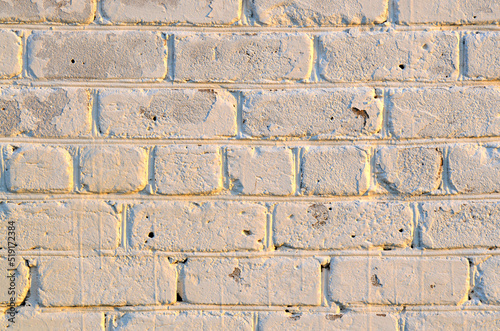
(198, 226)
(474, 168)
(188, 169)
(459, 320)
(482, 59)
(260, 57)
(10, 53)
(36, 11)
(312, 113)
(35, 319)
(488, 281)
(67, 225)
(460, 224)
(15, 281)
(38, 168)
(106, 281)
(342, 225)
(97, 55)
(111, 169)
(256, 281)
(319, 12)
(399, 280)
(260, 170)
(204, 12)
(412, 170)
(335, 171)
(444, 112)
(393, 56)
(45, 112)
(179, 113)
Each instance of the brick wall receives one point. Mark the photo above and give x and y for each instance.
(251, 164)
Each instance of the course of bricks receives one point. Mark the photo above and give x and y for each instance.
(251, 164)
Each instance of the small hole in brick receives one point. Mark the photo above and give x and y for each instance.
(154, 118)
(425, 46)
(247, 232)
(402, 66)
(474, 16)
(151, 235)
(72, 60)
(353, 236)
(179, 298)
(400, 230)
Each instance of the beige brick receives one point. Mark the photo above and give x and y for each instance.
(256, 281)
(15, 281)
(188, 169)
(475, 168)
(45, 112)
(260, 170)
(35, 319)
(33, 11)
(444, 112)
(315, 113)
(399, 280)
(105, 280)
(460, 224)
(197, 12)
(10, 53)
(198, 226)
(393, 56)
(335, 171)
(97, 55)
(411, 170)
(38, 168)
(319, 12)
(110, 169)
(482, 59)
(261, 57)
(68, 225)
(167, 113)
(488, 281)
(453, 321)
(342, 225)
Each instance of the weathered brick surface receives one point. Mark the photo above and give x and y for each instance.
(461, 320)
(482, 56)
(488, 281)
(10, 53)
(35, 319)
(29, 11)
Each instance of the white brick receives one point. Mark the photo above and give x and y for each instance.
(335, 171)
(482, 58)
(453, 321)
(68, 225)
(97, 55)
(15, 281)
(29, 11)
(399, 56)
(319, 12)
(188, 169)
(342, 225)
(10, 53)
(110, 169)
(33, 319)
(104, 280)
(38, 168)
(198, 226)
(261, 170)
(399, 280)
(312, 113)
(255, 281)
(242, 57)
(213, 12)
(488, 281)
(167, 113)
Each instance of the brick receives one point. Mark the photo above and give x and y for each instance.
(196, 12)
(444, 112)
(113, 169)
(67, 225)
(488, 281)
(29, 11)
(314, 12)
(257, 57)
(297, 321)
(260, 170)
(45, 112)
(393, 56)
(255, 281)
(342, 225)
(312, 113)
(335, 171)
(35, 319)
(399, 280)
(185, 320)
(448, 12)
(218, 226)
(411, 170)
(15, 277)
(38, 168)
(460, 224)
(96, 55)
(10, 53)
(167, 113)
(105, 280)
(457, 320)
(482, 58)
(475, 168)
(188, 169)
